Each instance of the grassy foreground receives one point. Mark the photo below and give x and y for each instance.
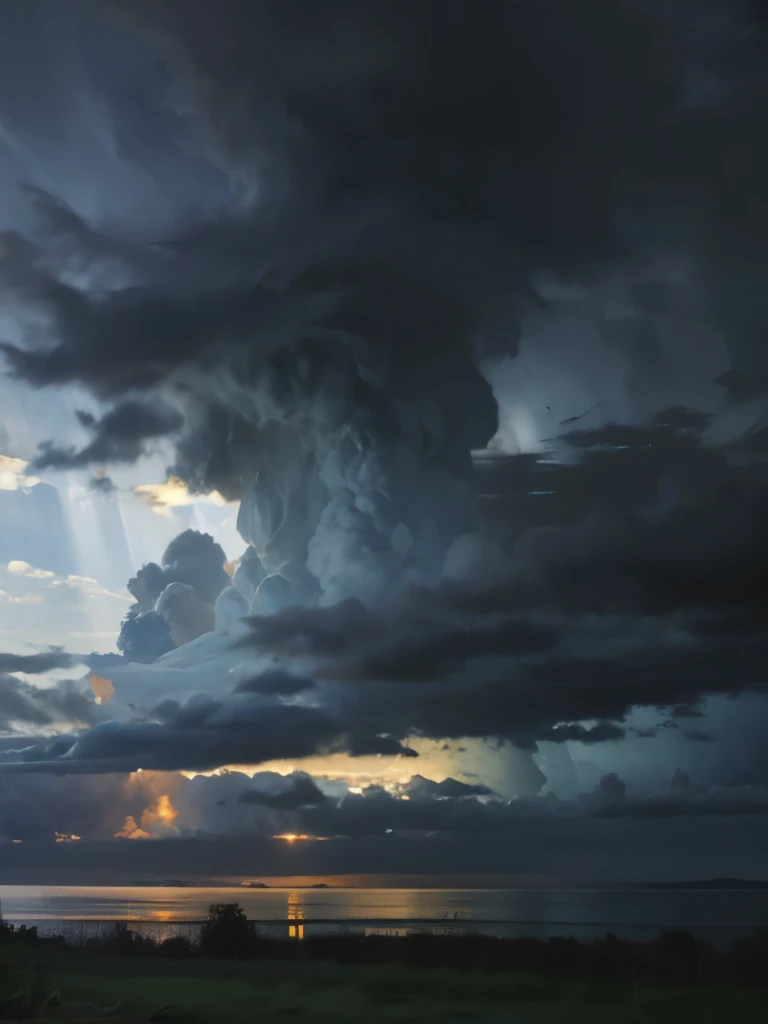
(94, 987)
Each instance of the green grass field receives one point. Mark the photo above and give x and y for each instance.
(199, 991)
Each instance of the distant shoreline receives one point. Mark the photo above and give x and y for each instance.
(710, 883)
(179, 883)
(392, 882)
(248, 886)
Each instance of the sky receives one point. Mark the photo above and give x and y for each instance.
(383, 439)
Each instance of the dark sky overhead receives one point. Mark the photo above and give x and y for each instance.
(384, 415)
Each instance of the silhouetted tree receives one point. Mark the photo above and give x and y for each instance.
(227, 932)
(124, 942)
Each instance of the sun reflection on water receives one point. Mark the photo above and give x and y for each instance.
(295, 913)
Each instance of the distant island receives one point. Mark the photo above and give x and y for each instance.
(263, 885)
(709, 883)
(208, 883)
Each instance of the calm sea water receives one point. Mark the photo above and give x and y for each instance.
(584, 913)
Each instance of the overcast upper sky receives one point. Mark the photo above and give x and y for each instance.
(417, 353)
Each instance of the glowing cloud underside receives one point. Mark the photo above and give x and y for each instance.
(157, 820)
(103, 690)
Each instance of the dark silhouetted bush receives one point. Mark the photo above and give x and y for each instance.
(178, 947)
(127, 943)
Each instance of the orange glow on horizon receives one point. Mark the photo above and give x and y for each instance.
(66, 837)
(290, 837)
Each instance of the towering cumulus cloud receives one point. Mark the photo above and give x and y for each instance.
(359, 480)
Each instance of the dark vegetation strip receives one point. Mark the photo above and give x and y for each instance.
(676, 958)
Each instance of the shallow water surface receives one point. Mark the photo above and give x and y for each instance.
(293, 912)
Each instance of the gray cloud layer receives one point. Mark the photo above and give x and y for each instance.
(36, 664)
(441, 828)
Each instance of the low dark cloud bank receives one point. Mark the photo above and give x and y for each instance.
(121, 435)
(207, 732)
(64, 703)
(230, 825)
(36, 664)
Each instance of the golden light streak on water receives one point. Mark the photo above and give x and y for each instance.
(295, 913)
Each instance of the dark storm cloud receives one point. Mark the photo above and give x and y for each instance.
(655, 527)
(206, 733)
(486, 136)
(601, 733)
(598, 850)
(275, 683)
(709, 556)
(374, 811)
(599, 669)
(124, 340)
(514, 116)
(93, 807)
(326, 632)
(647, 520)
(420, 788)
(36, 664)
(300, 791)
(121, 435)
(430, 166)
(698, 736)
(432, 657)
(102, 485)
(207, 456)
(144, 637)
(452, 807)
(610, 788)
(63, 703)
(421, 635)
(724, 802)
